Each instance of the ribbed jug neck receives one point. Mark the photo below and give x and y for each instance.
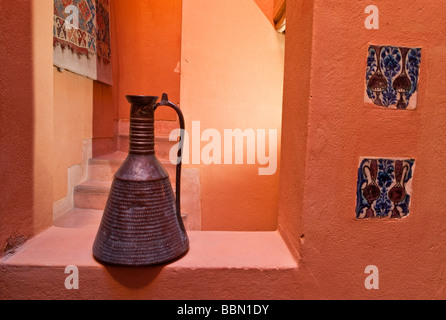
(142, 125)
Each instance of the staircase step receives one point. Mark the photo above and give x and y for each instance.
(103, 168)
(92, 195)
(79, 218)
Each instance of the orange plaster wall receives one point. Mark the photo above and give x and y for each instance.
(104, 119)
(410, 253)
(72, 124)
(42, 22)
(298, 55)
(267, 6)
(106, 100)
(278, 4)
(146, 49)
(232, 77)
(149, 51)
(16, 137)
(25, 120)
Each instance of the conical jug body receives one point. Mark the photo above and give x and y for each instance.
(141, 224)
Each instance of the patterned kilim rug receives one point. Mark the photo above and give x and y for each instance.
(81, 38)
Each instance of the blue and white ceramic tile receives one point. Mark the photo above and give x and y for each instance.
(384, 188)
(392, 77)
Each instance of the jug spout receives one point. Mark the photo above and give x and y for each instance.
(142, 100)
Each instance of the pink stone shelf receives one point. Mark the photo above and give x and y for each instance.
(219, 265)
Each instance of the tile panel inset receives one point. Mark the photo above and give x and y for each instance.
(384, 188)
(392, 77)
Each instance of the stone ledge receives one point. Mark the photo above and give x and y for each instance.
(219, 265)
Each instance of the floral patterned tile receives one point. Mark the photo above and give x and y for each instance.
(384, 188)
(392, 77)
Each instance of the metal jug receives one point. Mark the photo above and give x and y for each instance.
(142, 223)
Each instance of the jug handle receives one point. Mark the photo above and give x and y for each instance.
(165, 102)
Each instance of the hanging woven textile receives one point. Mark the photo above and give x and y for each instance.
(81, 38)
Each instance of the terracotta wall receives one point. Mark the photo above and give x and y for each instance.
(26, 120)
(278, 4)
(298, 64)
(105, 116)
(73, 111)
(148, 51)
(55, 118)
(326, 58)
(16, 141)
(106, 99)
(232, 77)
(267, 7)
(147, 59)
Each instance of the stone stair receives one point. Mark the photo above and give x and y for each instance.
(93, 193)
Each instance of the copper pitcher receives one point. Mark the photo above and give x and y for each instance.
(142, 223)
